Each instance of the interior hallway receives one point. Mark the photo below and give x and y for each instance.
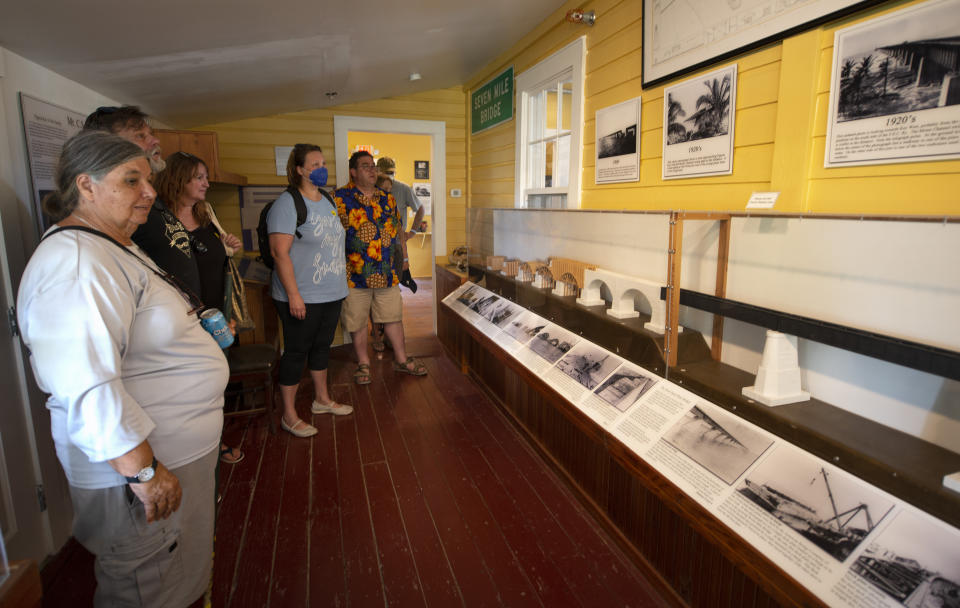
(425, 496)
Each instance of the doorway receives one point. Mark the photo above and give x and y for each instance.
(436, 130)
(408, 152)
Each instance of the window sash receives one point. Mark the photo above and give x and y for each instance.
(549, 129)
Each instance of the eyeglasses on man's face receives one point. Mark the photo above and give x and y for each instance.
(366, 166)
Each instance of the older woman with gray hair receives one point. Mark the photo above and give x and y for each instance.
(135, 383)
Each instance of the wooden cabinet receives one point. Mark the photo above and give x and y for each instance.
(202, 144)
(263, 312)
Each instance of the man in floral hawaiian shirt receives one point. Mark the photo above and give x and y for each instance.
(370, 219)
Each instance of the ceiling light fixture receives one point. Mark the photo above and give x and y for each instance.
(577, 15)
(330, 95)
(414, 76)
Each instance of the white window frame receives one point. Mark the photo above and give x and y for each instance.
(570, 60)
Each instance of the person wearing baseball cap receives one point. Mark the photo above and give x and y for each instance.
(402, 193)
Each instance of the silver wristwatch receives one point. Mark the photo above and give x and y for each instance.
(145, 474)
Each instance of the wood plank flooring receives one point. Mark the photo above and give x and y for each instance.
(425, 496)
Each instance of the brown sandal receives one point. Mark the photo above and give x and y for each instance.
(417, 369)
(362, 375)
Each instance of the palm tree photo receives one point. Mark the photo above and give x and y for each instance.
(711, 117)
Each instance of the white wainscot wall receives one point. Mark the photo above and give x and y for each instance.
(894, 278)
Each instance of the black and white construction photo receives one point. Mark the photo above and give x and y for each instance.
(618, 143)
(720, 442)
(895, 88)
(483, 304)
(916, 561)
(501, 312)
(553, 343)
(698, 118)
(424, 192)
(830, 508)
(524, 326)
(588, 364)
(625, 387)
(470, 296)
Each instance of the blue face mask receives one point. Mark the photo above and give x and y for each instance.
(318, 177)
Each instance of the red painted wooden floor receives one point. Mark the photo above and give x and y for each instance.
(425, 496)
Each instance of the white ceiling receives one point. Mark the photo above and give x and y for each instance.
(192, 62)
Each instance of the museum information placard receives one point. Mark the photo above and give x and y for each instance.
(46, 127)
(895, 88)
(618, 147)
(699, 117)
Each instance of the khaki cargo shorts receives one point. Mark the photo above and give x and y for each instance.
(386, 303)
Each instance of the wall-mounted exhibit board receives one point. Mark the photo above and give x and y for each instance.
(846, 541)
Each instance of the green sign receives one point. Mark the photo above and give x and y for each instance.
(492, 104)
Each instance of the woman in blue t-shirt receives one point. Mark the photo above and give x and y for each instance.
(309, 284)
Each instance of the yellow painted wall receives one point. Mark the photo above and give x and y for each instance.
(246, 146)
(780, 133)
(403, 148)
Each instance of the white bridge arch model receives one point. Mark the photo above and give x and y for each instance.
(624, 289)
(567, 277)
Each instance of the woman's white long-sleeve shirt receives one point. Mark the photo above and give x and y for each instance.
(123, 361)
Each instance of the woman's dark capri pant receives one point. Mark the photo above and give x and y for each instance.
(307, 340)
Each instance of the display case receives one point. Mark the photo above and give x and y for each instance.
(902, 294)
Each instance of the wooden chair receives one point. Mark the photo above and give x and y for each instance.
(252, 362)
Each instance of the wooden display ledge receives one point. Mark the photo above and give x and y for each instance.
(699, 557)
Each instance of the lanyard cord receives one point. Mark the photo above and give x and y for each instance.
(184, 289)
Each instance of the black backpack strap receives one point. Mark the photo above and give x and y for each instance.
(301, 207)
(327, 196)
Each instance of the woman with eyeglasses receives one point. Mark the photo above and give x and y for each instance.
(135, 383)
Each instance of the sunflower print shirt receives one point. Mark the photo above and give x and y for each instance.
(371, 224)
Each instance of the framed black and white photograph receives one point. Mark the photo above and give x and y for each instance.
(895, 88)
(421, 169)
(552, 343)
(698, 118)
(588, 364)
(525, 326)
(915, 561)
(424, 193)
(829, 507)
(618, 143)
(723, 444)
(682, 37)
(625, 387)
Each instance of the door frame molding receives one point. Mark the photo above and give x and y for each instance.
(437, 129)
